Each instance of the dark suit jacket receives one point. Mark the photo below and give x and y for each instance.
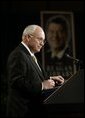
(25, 88)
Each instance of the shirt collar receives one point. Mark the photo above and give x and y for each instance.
(59, 55)
(32, 54)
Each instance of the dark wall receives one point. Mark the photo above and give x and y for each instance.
(15, 15)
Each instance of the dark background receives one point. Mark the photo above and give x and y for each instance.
(15, 15)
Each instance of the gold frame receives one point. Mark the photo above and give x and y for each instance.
(45, 15)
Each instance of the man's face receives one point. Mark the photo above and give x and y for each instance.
(36, 40)
(56, 36)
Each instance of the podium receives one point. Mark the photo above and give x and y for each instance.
(72, 91)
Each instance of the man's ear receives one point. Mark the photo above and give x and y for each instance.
(27, 37)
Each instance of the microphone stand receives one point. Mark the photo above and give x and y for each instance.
(76, 61)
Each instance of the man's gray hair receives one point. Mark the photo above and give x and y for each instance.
(29, 30)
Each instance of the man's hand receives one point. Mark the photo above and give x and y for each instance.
(59, 80)
(48, 84)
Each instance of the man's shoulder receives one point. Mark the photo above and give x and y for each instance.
(16, 52)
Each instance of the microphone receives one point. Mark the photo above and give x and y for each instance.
(72, 58)
(78, 62)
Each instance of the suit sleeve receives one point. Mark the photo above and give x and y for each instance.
(21, 76)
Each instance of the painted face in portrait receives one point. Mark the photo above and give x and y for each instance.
(56, 36)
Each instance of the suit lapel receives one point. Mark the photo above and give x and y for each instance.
(36, 67)
(32, 61)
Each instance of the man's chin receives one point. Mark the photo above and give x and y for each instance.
(38, 50)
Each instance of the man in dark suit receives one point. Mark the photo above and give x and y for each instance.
(26, 78)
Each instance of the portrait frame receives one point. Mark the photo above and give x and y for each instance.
(45, 15)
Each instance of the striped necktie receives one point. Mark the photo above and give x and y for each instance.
(35, 59)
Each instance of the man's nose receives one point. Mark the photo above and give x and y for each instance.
(42, 43)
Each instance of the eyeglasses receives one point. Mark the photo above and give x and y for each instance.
(39, 39)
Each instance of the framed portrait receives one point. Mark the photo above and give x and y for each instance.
(60, 43)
